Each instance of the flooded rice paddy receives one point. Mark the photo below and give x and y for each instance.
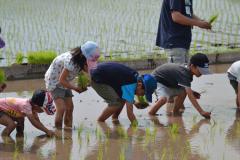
(186, 137)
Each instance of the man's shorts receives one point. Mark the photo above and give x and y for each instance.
(233, 82)
(164, 91)
(61, 93)
(108, 94)
(177, 55)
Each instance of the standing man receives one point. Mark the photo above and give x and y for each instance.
(174, 30)
(2, 43)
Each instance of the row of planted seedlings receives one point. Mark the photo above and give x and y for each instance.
(124, 34)
(35, 36)
(143, 139)
(36, 57)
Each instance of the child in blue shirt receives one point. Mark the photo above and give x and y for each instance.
(117, 84)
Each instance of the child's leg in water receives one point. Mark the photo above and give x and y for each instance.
(179, 106)
(161, 101)
(8, 122)
(20, 126)
(107, 112)
(68, 117)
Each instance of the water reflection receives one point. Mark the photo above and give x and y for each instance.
(18, 149)
(63, 145)
(233, 133)
(149, 142)
(174, 139)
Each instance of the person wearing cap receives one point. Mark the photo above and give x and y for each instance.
(234, 79)
(174, 80)
(62, 71)
(16, 109)
(117, 84)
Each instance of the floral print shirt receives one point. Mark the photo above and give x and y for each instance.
(53, 73)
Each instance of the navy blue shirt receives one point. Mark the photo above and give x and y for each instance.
(171, 34)
(120, 77)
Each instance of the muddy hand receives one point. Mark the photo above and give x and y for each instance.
(50, 133)
(206, 115)
(80, 90)
(204, 25)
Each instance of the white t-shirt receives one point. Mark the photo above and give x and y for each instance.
(53, 73)
(235, 70)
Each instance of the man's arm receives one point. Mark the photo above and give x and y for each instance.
(34, 119)
(184, 20)
(130, 113)
(195, 103)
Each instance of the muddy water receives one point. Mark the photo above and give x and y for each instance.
(161, 137)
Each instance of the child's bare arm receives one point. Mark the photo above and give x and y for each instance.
(130, 113)
(238, 96)
(34, 119)
(195, 103)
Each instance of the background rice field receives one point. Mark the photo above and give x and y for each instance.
(122, 28)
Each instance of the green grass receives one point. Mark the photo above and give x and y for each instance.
(2, 76)
(19, 58)
(41, 57)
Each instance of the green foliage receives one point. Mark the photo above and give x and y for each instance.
(141, 102)
(122, 154)
(19, 58)
(41, 57)
(121, 132)
(213, 18)
(174, 129)
(2, 76)
(83, 80)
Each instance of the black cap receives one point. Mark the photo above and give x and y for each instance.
(201, 61)
(38, 97)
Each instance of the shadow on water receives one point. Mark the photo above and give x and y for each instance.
(186, 137)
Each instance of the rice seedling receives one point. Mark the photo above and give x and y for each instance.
(16, 153)
(41, 57)
(83, 80)
(148, 132)
(122, 154)
(141, 102)
(98, 133)
(164, 154)
(79, 132)
(19, 58)
(80, 129)
(100, 152)
(174, 129)
(213, 18)
(134, 124)
(121, 132)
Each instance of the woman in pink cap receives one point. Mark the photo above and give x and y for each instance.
(16, 109)
(62, 71)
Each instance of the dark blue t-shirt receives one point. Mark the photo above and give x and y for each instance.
(120, 77)
(171, 34)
